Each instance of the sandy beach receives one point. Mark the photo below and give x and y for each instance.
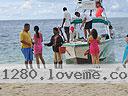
(63, 90)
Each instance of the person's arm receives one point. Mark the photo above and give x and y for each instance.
(98, 39)
(84, 21)
(31, 38)
(23, 41)
(62, 41)
(34, 38)
(50, 43)
(64, 19)
(63, 22)
(41, 38)
(89, 39)
(26, 43)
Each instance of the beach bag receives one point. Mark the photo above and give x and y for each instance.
(62, 50)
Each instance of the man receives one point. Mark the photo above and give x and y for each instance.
(66, 23)
(26, 45)
(77, 26)
(87, 23)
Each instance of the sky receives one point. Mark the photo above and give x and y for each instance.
(52, 9)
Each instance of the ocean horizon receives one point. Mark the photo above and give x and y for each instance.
(52, 19)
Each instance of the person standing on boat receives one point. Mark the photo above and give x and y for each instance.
(87, 23)
(99, 10)
(76, 26)
(66, 23)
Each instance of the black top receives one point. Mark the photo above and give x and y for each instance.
(56, 42)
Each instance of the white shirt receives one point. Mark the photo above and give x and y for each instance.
(88, 18)
(67, 16)
(77, 26)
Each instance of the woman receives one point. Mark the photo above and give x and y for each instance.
(38, 46)
(99, 10)
(94, 49)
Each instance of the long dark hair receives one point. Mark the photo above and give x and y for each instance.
(36, 29)
(94, 33)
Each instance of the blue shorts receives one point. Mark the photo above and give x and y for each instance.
(28, 54)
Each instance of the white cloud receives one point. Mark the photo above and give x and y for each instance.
(115, 6)
(27, 4)
(40, 9)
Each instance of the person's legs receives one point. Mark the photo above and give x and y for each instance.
(85, 33)
(89, 32)
(42, 60)
(76, 34)
(37, 60)
(93, 59)
(126, 61)
(71, 36)
(30, 57)
(97, 59)
(55, 60)
(25, 53)
(67, 33)
(88, 27)
(26, 64)
(59, 59)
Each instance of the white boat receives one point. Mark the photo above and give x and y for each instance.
(75, 50)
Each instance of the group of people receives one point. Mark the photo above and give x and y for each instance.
(29, 45)
(72, 34)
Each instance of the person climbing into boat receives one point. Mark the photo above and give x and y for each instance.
(56, 42)
(38, 47)
(87, 23)
(77, 26)
(125, 57)
(26, 45)
(94, 49)
(99, 9)
(66, 23)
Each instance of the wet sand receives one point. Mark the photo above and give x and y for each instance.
(63, 89)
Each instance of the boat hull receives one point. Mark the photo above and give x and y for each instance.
(75, 52)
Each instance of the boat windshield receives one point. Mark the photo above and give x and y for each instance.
(101, 28)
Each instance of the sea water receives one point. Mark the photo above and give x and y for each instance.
(10, 51)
